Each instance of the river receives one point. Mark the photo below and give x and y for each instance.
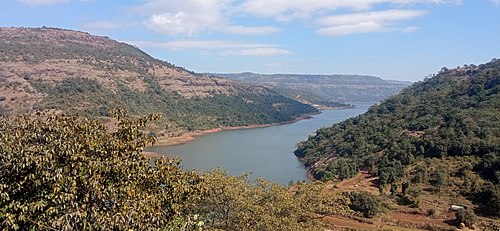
(264, 152)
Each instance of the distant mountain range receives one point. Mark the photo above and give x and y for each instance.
(76, 72)
(315, 88)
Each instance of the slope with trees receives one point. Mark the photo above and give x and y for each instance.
(71, 71)
(441, 134)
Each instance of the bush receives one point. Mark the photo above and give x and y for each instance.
(365, 203)
(489, 200)
(432, 212)
(465, 216)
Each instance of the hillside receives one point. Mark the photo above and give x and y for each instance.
(64, 70)
(321, 88)
(441, 135)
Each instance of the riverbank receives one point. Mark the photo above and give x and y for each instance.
(190, 136)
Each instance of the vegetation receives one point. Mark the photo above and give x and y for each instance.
(28, 45)
(80, 73)
(442, 132)
(365, 203)
(71, 173)
(311, 98)
(319, 89)
(233, 204)
(466, 217)
(88, 97)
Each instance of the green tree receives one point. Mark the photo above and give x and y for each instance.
(440, 179)
(233, 203)
(404, 187)
(465, 216)
(365, 203)
(70, 173)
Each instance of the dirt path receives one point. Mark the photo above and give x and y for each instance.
(418, 219)
(348, 223)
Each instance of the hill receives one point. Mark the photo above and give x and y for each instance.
(76, 72)
(321, 88)
(441, 135)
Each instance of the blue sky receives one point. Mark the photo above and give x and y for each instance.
(393, 39)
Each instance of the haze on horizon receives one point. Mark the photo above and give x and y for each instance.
(392, 39)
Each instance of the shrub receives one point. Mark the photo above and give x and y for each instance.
(465, 216)
(432, 212)
(365, 203)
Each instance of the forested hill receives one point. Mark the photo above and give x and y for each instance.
(451, 120)
(317, 88)
(72, 71)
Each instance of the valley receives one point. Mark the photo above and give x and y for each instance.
(97, 133)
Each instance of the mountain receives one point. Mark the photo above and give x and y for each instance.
(317, 88)
(76, 72)
(441, 134)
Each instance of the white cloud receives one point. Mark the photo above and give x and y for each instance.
(250, 30)
(410, 29)
(42, 2)
(188, 17)
(258, 52)
(277, 65)
(47, 2)
(372, 16)
(231, 48)
(199, 44)
(101, 25)
(285, 10)
(192, 17)
(366, 22)
(362, 27)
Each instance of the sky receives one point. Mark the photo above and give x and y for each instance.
(391, 39)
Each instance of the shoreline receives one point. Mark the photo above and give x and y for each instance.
(190, 136)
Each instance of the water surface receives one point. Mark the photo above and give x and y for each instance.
(263, 152)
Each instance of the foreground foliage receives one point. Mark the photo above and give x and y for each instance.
(232, 203)
(71, 173)
(68, 173)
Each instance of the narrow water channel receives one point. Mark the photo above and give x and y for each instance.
(263, 152)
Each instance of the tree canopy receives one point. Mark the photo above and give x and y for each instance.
(451, 116)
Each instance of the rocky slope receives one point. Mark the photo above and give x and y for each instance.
(57, 69)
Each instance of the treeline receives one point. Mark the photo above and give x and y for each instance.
(309, 97)
(452, 116)
(247, 107)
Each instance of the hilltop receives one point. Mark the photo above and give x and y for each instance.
(76, 72)
(318, 89)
